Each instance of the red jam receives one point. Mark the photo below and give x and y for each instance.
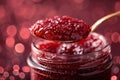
(87, 59)
(61, 29)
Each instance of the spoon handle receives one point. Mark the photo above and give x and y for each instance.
(98, 22)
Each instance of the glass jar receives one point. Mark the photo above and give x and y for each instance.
(46, 65)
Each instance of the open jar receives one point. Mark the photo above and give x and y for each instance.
(89, 59)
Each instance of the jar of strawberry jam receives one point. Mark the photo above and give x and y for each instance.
(87, 59)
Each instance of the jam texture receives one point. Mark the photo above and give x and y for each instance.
(62, 28)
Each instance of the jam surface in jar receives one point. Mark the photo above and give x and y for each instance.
(52, 58)
(89, 59)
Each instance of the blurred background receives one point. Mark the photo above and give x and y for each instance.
(16, 16)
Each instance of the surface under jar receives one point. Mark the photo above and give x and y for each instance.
(47, 65)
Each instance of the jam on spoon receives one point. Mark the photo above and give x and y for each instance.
(62, 28)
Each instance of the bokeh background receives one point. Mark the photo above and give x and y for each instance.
(16, 16)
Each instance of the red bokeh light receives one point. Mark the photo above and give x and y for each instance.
(116, 59)
(11, 30)
(1, 69)
(114, 77)
(26, 69)
(19, 48)
(116, 70)
(16, 67)
(22, 75)
(12, 78)
(24, 33)
(115, 37)
(6, 74)
(15, 73)
(10, 41)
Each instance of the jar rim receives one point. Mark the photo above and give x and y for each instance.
(34, 46)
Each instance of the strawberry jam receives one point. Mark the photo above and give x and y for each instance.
(67, 50)
(88, 59)
(61, 29)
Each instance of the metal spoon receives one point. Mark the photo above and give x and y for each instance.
(101, 20)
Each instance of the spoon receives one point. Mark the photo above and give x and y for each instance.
(101, 20)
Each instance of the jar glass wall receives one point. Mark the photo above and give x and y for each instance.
(47, 63)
